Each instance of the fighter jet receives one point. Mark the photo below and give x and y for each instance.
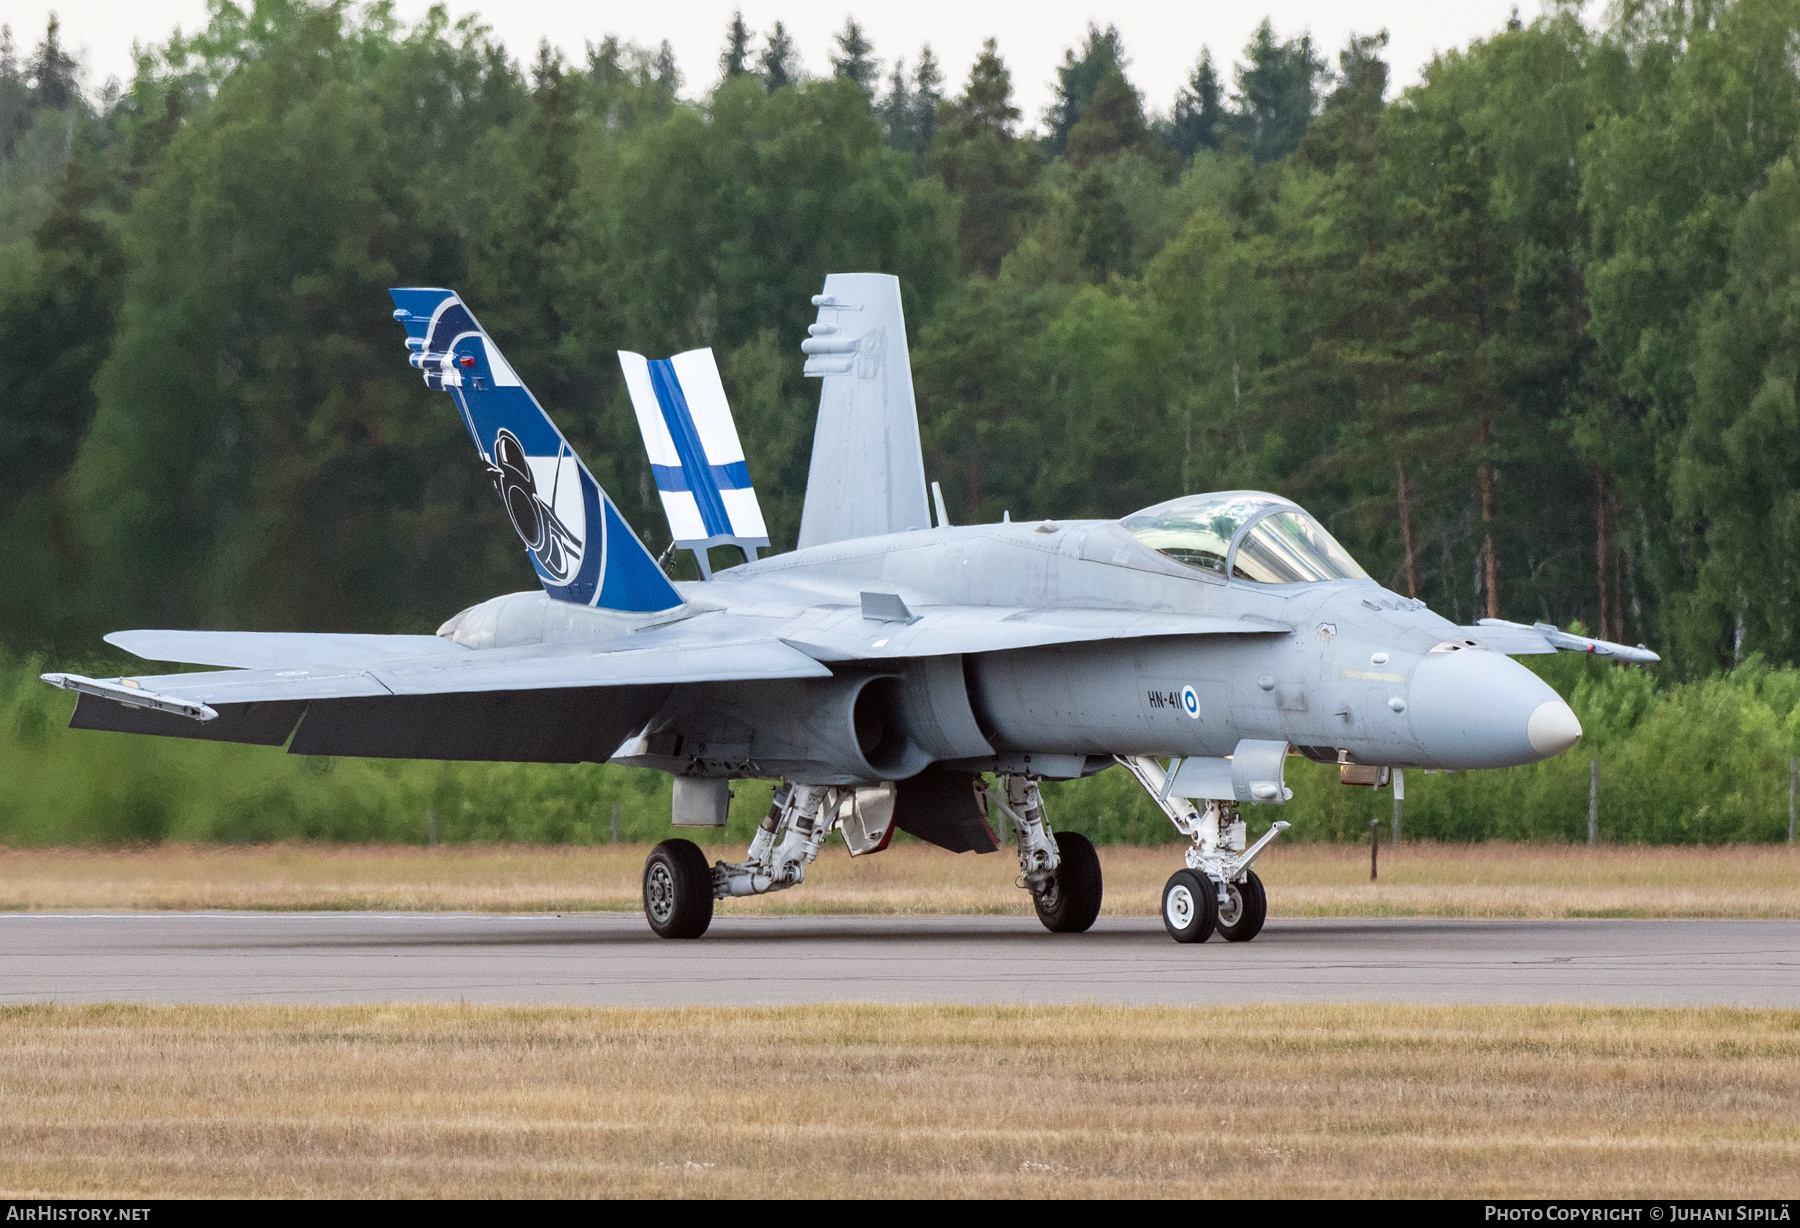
(891, 673)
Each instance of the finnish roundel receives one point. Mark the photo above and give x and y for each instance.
(1190, 702)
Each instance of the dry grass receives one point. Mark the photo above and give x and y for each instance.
(1417, 880)
(847, 1101)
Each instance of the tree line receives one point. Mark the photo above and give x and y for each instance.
(1524, 335)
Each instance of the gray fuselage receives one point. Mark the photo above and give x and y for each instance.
(1341, 665)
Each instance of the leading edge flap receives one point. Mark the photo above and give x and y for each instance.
(579, 544)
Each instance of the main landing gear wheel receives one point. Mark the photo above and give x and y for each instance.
(1190, 906)
(678, 890)
(1072, 900)
(1245, 909)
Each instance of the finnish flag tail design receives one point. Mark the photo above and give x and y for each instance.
(583, 550)
(695, 454)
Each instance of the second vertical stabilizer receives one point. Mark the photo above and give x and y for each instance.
(868, 473)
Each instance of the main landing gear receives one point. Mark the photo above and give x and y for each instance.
(679, 887)
(1062, 872)
(1218, 891)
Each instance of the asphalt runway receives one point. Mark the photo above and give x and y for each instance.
(614, 960)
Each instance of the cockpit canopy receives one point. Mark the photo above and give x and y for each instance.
(1245, 534)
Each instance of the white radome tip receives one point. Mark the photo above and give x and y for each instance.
(1553, 728)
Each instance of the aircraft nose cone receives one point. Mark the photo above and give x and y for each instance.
(1480, 709)
(1552, 728)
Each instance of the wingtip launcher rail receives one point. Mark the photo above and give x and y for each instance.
(131, 695)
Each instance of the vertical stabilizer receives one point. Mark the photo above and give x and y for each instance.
(868, 474)
(580, 546)
(695, 454)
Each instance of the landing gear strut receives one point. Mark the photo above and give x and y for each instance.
(1061, 870)
(1218, 890)
(679, 887)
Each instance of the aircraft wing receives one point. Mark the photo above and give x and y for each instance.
(277, 649)
(1520, 640)
(885, 628)
(544, 703)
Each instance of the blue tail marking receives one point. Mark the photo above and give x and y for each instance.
(580, 545)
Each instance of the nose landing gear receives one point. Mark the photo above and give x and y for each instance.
(1218, 890)
(1244, 909)
(1190, 909)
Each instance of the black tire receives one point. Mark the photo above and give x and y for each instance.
(678, 895)
(1190, 907)
(1248, 909)
(1072, 901)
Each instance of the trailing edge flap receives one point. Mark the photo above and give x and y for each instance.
(939, 631)
(277, 649)
(868, 473)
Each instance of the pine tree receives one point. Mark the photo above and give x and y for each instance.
(663, 69)
(853, 60)
(735, 60)
(779, 62)
(1198, 121)
(15, 96)
(1277, 93)
(1112, 121)
(895, 110)
(982, 160)
(1078, 78)
(927, 97)
(53, 71)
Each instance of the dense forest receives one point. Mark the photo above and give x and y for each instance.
(1525, 335)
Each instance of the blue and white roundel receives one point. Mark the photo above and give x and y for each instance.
(1190, 702)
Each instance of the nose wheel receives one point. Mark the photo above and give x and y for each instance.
(1189, 907)
(1245, 909)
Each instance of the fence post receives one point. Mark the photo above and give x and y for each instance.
(1594, 801)
(615, 823)
(1399, 796)
(1374, 843)
(431, 829)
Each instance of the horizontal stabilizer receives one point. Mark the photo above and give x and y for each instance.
(695, 454)
(277, 649)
